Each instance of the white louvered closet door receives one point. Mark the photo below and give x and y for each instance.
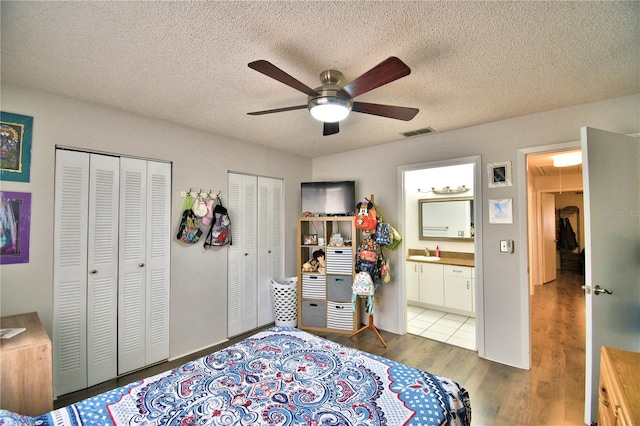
(70, 271)
(270, 243)
(158, 263)
(111, 267)
(85, 250)
(241, 262)
(143, 303)
(102, 261)
(132, 285)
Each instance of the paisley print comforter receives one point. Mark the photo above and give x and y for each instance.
(281, 376)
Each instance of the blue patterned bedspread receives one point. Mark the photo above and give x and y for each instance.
(282, 376)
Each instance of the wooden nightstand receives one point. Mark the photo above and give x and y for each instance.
(619, 399)
(25, 360)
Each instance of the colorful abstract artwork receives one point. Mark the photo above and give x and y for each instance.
(15, 147)
(15, 219)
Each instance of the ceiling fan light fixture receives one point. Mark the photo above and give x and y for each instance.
(329, 109)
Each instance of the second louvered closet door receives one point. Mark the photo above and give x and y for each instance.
(143, 297)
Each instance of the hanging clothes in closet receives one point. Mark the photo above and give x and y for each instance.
(567, 238)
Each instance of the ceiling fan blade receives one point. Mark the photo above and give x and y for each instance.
(390, 111)
(385, 72)
(330, 129)
(269, 111)
(270, 70)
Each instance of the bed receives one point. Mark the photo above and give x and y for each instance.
(280, 376)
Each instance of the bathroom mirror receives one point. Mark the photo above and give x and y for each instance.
(446, 219)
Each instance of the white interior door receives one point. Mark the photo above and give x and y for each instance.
(85, 269)
(158, 260)
(71, 220)
(242, 263)
(548, 210)
(132, 287)
(270, 243)
(611, 175)
(102, 262)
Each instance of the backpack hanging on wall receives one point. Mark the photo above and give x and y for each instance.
(363, 286)
(220, 231)
(188, 231)
(368, 259)
(366, 218)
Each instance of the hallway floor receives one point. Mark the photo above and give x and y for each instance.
(444, 327)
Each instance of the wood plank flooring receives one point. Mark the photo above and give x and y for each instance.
(551, 393)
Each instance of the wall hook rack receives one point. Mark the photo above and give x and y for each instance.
(201, 193)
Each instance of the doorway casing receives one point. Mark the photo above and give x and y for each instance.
(523, 235)
(477, 206)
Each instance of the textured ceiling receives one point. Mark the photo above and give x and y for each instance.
(186, 62)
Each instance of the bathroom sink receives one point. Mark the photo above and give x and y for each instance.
(424, 258)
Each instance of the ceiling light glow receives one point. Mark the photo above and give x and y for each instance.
(329, 109)
(568, 159)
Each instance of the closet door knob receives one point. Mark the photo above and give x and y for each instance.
(140, 265)
(93, 271)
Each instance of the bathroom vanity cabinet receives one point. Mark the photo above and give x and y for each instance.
(446, 284)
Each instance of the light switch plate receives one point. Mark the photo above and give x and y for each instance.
(506, 246)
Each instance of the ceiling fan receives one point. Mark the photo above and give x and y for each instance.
(331, 103)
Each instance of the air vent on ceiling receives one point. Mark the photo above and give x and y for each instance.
(418, 132)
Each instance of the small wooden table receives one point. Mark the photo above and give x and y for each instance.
(26, 367)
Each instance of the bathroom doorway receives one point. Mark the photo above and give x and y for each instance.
(417, 182)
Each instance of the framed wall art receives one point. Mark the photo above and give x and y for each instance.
(501, 211)
(15, 220)
(15, 149)
(499, 174)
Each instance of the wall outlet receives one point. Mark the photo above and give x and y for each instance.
(506, 246)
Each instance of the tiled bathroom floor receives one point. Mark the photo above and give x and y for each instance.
(454, 329)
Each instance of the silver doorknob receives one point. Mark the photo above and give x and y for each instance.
(93, 271)
(599, 290)
(140, 265)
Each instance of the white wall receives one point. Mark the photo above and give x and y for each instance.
(506, 310)
(200, 160)
(198, 294)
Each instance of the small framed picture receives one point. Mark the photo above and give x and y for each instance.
(499, 174)
(310, 239)
(501, 211)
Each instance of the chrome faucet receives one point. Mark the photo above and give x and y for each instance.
(426, 251)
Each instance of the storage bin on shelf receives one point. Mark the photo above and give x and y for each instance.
(340, 315)
(339, 260)
(285, 301)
